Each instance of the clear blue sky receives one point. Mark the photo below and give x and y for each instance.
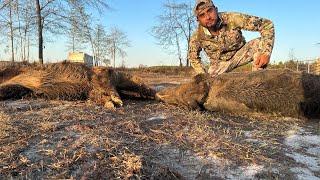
(297, 27)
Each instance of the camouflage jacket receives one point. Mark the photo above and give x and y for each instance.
(223, 47)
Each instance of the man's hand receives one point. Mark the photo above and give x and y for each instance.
(262, 61)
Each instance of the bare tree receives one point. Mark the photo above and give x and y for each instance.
(16, 19)
(75, 31)
(100, 41)
(40, 28)
(174, 28)
(7, 23)
(291, 54)
(10, 23)
(20, 18)
(25, 26)
(117, 42)
(89, 33)
(52, 16)
(85, 28)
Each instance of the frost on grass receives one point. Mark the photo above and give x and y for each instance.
(304, 149)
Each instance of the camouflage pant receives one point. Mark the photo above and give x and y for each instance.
(245, 55)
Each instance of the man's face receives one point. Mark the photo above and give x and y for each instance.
(208, 17)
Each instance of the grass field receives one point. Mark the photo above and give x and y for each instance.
(150, 140)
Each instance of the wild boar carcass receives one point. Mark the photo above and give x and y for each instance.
(70, 81)
(283, 92)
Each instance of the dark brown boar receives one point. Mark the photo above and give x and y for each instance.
(70, 81)
(283, 92)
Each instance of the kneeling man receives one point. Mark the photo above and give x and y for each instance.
(219, 34)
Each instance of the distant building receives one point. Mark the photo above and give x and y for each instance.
(317, 69)
(80, 57)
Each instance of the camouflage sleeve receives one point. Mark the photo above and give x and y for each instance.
(194, 54)
(253, 23)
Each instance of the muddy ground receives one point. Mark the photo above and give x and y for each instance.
(150, 140)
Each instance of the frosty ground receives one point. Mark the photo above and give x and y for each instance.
(148, 139)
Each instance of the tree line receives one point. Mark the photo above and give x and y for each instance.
(27, 23)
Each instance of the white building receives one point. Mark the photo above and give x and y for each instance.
(317, 69)
(80, 57)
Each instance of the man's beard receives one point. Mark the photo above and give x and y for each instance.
(217, 25)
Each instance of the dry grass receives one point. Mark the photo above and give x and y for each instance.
(64, 140)
(143, 140)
